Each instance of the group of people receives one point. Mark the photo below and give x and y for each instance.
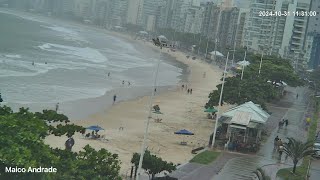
(189, 91)
(278, 145)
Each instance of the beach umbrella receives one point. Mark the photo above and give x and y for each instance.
(95, 128)
(184, 132)
(210, 110)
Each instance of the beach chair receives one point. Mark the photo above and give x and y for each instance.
(103, 138)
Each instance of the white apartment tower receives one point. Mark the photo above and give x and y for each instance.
(280, 35)
(134, 11)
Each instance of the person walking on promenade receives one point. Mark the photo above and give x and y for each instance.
(123, 82)
(280, 151)
(286, 122)
(297, 96)
(182, 87)
(114, 98)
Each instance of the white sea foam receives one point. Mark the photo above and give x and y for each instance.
(17, 67)
(22, 15)
(87, 54)
(66, 33)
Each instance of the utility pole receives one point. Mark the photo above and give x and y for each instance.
(220, 101)
(145, 137)
(217, 32)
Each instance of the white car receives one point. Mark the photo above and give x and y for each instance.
(316, 146)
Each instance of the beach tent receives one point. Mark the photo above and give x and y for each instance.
(95, 128)
(243, 63)
(218, 53)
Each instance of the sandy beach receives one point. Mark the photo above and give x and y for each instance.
(180, 111)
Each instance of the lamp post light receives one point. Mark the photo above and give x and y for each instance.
(145, 137)
(260, 62)
(243, 65)
(220, 101)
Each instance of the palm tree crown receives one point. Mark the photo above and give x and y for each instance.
(297, 150)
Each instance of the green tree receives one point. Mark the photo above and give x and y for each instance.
(22, 144)
(297, 150)
(152, 164)
(238, 91)
(256, 87)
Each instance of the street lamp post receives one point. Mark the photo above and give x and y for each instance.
(145, 137)
(260, 63)
(244, 59)
(220, 101)
(234, 44)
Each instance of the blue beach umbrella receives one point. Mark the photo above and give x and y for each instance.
(95, 128)
(184, 132)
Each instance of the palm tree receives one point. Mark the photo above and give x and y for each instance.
(297, 150)
(260, 174)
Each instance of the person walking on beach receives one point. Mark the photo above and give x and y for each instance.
(182, 86)
(297, 96)
(123, 82)
(129, 83)
(57, 107)
(190, 91)
(108, 74)
(114, 98)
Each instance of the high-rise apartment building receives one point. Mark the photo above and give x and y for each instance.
(210, 20)
(134, 14)
(228, 27)
(193, 22)
(314, 31)
(284, 36)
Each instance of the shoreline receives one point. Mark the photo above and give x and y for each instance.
(181, 111)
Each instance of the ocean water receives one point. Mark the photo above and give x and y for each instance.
(71, 62)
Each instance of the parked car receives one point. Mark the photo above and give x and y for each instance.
(316, 146)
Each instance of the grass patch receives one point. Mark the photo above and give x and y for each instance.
(205, 157)
(302, 170)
